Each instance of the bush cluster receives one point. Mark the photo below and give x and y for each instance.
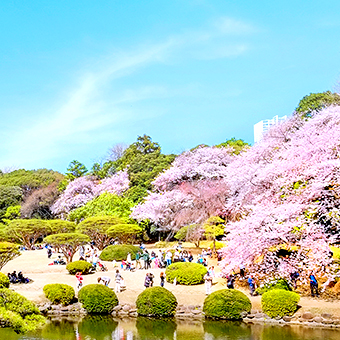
(274, 284)
(79, 266)
(59, 293)
(19, 313)
(156, 301)
(218, 245)
(279, 302)
(4, 281)
(98, 299)
(119, 252)
(164, 244)
(226, 304)
(186, 273)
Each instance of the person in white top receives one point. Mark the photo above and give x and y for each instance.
(168, 257)
(105, 280)
(208, 283)
(128, 258)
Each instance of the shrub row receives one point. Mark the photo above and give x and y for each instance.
(157, 301)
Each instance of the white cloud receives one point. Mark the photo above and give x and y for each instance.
(85, 110)
(230, 26)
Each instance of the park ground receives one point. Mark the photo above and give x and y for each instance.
(35, 265)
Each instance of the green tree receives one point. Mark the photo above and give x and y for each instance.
(190, 233)
(27, 232)
(97, 228)
(102, 171)
(144, 161)
(315, 102)
(238, 145)
(29, 180)
(61, 226)
(214, 227)
(68, 243)
(8, 252)
(106, 204)
(9, 196)
(75, 170)
(12, 213)
(125, 233)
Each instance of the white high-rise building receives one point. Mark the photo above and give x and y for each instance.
(264, 125)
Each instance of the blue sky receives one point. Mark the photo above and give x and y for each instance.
(76, 77)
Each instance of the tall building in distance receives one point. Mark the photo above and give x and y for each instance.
(261, 127)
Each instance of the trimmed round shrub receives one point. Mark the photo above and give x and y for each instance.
(59, 293)
(156, 301)
(226, 304)
(79, 266)
(275, 284)
(4, 281)
(119, 252)
(186, 273)
(98, 299)
(279, 302)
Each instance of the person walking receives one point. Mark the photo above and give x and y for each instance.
(79, 278)
(162, 277)
(118, 281)
(147, 281)
(207, 283)
(138, 264)
(251, 283)
(313, 285)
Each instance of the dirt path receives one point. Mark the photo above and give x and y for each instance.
(34, 264)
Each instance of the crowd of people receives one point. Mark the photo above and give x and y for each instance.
(155, 259)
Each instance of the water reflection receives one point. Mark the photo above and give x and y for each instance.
(233, 330)
(107, 328)
(154, 329)
(97, 327)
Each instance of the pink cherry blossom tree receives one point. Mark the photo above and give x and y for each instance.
(84, 189)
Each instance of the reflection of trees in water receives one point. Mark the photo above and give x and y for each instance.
(59, 329)
(97, 327)
(231, 330)
(155, 329)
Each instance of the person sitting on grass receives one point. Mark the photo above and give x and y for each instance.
(22, 279)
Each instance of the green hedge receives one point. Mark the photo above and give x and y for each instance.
(19, 313)
(274, 284)
(226, 304)
(98, 299)
(4, 281)
(156, 301)
(119, 252)
(59, 293)
(279, 302)
(79, 266)
(186, 273)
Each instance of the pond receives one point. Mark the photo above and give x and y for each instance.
(107, 328)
